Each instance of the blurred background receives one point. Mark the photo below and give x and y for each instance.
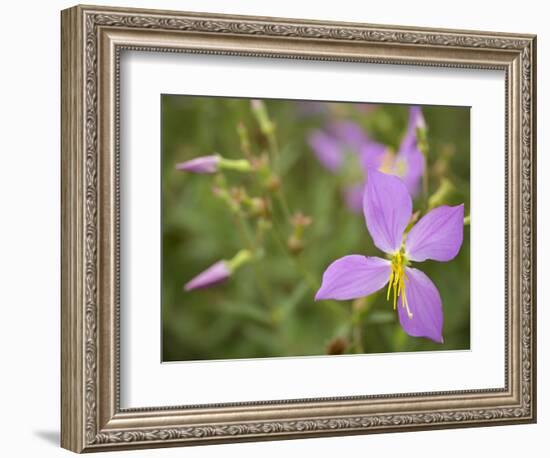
(301, 222)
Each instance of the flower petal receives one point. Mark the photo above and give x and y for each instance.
(409, 161)
(416, 121)
(371, 155)
(387, 206)
(424, 303)
(438, 235)
(353, 196)
(353, 276)
(349, 133)
(410, 165)
(327, 149)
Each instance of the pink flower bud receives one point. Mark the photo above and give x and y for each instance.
(215, 274)
(202, 164)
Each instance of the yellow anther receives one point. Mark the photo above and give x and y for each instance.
(393, 164)
(389, 286)
(397, 283)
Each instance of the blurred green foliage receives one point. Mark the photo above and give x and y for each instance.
(266, 309)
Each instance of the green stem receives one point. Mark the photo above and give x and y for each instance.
(299, 265)
(245, 232)
(273, 146)
(358, 338)
(422, 143)
(262, 282)
(274, 152)
(284, 204)
(308, 276)
(239, 165)
(425, 181)
(359, 309)
(268, 130)
(242, 257)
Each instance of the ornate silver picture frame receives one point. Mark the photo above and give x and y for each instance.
(93, 39)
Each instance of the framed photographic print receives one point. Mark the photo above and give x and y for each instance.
(278, 228)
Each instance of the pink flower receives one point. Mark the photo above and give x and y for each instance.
(387, 207)
(332, 144)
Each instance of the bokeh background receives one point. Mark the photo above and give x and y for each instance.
(266, 309)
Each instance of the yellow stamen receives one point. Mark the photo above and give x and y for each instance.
(397, 283)
(388, 161)
(400, 167)
(389, 286)
(393, 164)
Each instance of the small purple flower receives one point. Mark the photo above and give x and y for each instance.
(339, 141)
(387, 208)
(215, 274)
(332, 144)
(202, 164)
(349, 133)
(408, 163)
(353, 195)
(327, 149)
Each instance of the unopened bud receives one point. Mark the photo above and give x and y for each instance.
(261, 163)
(238, 194)
(301, 220)
(223, 194)
(203, 164)
(295, 245)
(216, 273)
(337, 346)
(258, 206)
(273, 183)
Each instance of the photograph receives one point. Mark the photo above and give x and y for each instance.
(276, 228)
(308, 228)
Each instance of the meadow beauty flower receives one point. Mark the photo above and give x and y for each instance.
(438, 235)
(336, 143)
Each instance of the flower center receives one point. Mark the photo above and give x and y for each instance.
(398, 278)
(393, 164)
(400, 167)
(388, 161)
